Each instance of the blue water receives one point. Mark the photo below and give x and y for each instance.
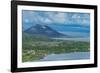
(74, 39)
(67, 56)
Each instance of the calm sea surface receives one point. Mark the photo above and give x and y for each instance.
(74, 39)
(67, 56)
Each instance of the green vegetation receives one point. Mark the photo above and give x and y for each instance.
(36, 47)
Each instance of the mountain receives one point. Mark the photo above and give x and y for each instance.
(44, 30)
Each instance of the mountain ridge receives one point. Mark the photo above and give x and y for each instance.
(39, 29)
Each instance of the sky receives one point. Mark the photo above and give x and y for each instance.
(71, 23)
(51, 17)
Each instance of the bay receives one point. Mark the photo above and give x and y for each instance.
(67, 56)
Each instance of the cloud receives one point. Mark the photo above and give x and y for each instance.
(56, 17)
(47, 20)
(60, 18)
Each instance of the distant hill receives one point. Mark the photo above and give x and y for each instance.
(44, 30)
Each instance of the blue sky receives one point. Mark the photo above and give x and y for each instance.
(45, 17)
(66, 22)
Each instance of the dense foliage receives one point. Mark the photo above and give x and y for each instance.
(36, 47)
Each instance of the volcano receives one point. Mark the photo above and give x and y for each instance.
(44, 30)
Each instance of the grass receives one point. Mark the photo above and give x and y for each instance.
(36, 47)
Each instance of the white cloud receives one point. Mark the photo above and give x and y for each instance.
(55, 17)
(26, 21)
(47, 20)
(60, 18)
(74, 16)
